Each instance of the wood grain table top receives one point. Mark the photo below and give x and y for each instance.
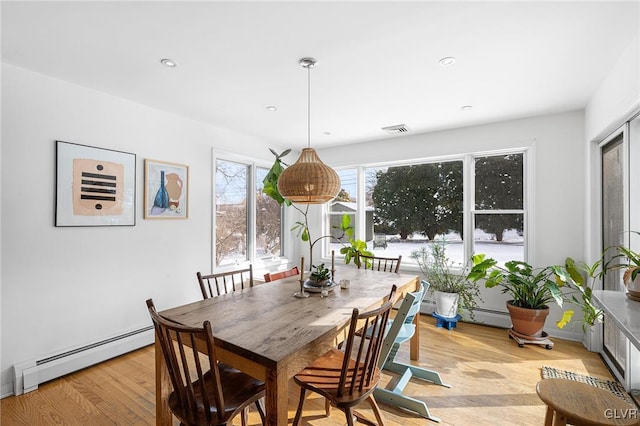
(267, 325)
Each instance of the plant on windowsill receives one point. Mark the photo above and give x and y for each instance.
(349, 249)
(630, 264)
(453, 291)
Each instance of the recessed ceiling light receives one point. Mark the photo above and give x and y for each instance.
(272, 108)
(445, 62)
(466, 108)
(169, 63)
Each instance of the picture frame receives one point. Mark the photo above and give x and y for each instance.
(94, 186)
(166, 190)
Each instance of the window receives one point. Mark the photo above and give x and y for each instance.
(406, 206)
(498, 215)
(268, 221)
(346, 202)
(248, 223)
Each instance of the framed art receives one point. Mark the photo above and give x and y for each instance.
(166, 190)
(94, 186)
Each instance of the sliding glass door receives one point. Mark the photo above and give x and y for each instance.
(614, 156)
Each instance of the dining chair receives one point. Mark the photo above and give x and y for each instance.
(223, 282)
(377, 263)
(348, 377)
(205, 391)
(400, 330)
(272, 276)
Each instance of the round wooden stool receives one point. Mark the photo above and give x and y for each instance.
(575, 403)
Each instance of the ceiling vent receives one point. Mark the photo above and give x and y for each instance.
(394, 130)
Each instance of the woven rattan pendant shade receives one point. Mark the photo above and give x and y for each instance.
(309, 180)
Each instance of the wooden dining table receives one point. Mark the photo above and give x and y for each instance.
(268, 333)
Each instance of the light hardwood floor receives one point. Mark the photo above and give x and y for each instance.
(493, 382)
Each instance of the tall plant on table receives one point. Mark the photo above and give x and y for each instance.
(270, 188)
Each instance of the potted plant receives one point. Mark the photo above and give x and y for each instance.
(321, 276)
(453, 291)
(590, 313)
(630, 264)
(530, 289)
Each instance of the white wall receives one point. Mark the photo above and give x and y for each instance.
(618, 95)
(63, 288)
(556, 226)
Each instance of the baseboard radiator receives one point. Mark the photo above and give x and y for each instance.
(28, 375)
(482, 316)
(501, 319)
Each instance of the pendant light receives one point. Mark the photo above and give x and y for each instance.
(309, 180)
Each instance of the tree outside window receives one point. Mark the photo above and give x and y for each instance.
(414, 204)
(245, 217)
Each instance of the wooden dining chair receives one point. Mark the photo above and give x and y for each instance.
(377, 263)
(205, 391)
(347, 378)
(272, 276)
(223, 282)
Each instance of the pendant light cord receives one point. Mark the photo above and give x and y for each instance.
(309, 106)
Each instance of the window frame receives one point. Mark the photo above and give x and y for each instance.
(252, 164)
(468, 197)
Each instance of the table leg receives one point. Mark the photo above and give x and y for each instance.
(414, 344)
(163, 389)
(276, 399)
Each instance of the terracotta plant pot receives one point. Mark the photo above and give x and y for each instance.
(527, 322)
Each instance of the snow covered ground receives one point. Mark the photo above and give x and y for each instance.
(511, 248)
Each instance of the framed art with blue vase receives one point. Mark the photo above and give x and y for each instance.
(166, 190)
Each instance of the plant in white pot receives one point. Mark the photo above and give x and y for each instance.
(454, 293)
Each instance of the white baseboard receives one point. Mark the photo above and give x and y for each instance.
(28, 375)
(501, 319)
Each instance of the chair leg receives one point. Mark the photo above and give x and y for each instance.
(296, 420)
(349, 414)
(260, 409)
(327, 407)
(376, 409)
(244, 416)
(548, 418)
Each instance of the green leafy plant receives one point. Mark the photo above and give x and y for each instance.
(535, 288)
(528, 287)
(590, 313)
(447, 277)
(630, 262)
(320, 274)
(270, 181)
(301, 227)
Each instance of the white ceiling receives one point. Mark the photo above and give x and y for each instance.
(377, 61)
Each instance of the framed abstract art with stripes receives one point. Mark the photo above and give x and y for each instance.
(94, 186)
